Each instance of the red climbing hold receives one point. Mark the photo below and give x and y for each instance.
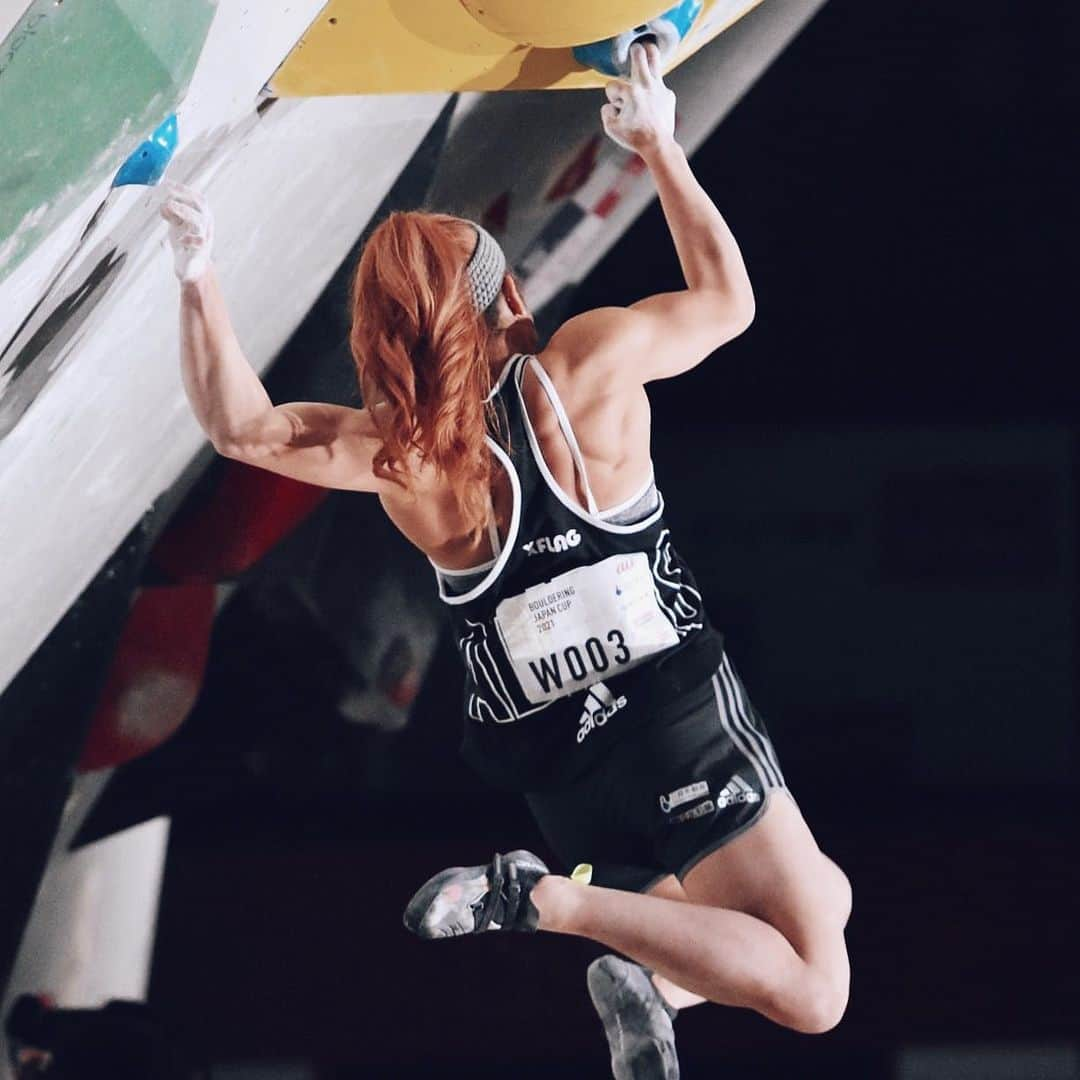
(155, 676)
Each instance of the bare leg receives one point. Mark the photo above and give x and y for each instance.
(725, 956)
(671, 889)
(778, 951)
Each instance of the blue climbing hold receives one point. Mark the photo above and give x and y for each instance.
(612, 55)
(147, 164)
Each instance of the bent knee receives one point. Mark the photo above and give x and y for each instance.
(823, 1011)
(815, 1007)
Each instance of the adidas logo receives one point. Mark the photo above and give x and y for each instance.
(600, 706)
(560, 542)
(737, 790)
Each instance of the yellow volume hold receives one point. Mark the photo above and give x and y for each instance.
(437, 46)
(554, 24)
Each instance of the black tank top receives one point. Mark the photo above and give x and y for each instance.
(579, 629)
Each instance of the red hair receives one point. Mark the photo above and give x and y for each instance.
(421, 352)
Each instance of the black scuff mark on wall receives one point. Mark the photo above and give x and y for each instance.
(34, 364)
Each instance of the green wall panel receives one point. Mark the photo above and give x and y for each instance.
(82, 83)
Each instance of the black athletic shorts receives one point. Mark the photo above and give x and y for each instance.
(671, 792)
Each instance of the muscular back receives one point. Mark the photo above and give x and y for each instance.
(599, 363)
(609, 413)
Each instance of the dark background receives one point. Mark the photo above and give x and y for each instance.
(875, 487)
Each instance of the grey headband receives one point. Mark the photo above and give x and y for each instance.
(486, 269)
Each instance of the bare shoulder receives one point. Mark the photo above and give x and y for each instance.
(592, 346)
(655, 338)
(595, 335)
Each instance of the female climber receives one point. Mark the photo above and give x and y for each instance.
(594, 683)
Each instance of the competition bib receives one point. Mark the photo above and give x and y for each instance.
(566, 634)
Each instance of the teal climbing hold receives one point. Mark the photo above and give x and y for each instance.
(611, 56)
(148, 163)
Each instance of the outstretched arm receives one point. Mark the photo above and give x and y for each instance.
(226, 395)
(678, 330)
(708, 254)
(671, 332)
(323, 444)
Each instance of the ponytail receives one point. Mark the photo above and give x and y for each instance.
(421, 353)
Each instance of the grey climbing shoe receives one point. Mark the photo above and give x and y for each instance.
(472, 899)
(637, 1020)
